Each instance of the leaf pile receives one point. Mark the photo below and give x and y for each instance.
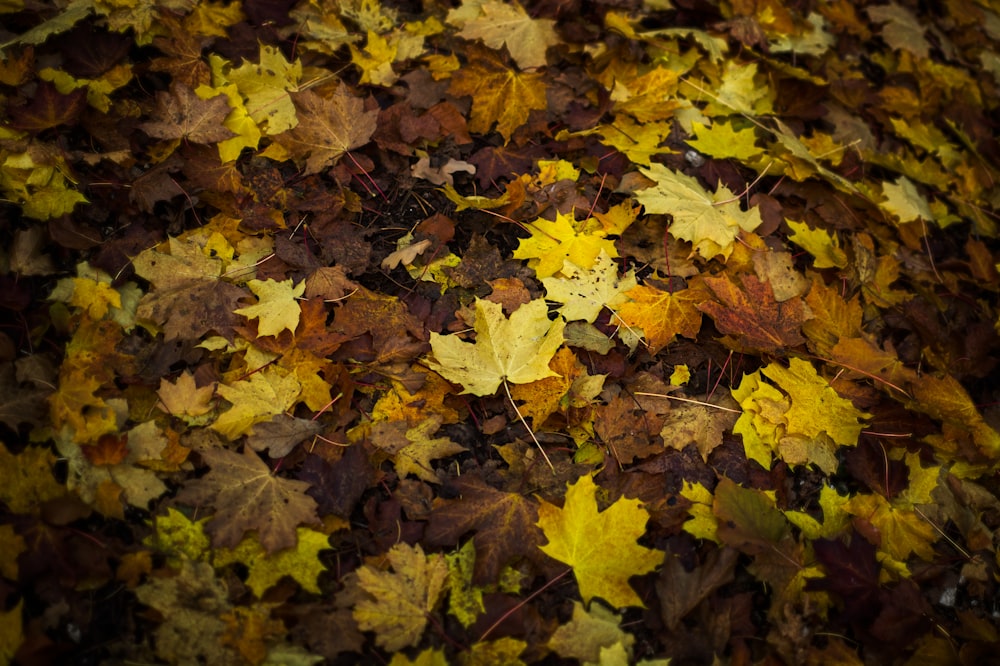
(609, 332)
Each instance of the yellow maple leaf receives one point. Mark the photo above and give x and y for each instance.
(584, 293)
(722, 140)
(820, 243)
(37, 179)
(554, 242)
(300, 563)
(413, 451)
(600, 546)
(375, 60)
(500, 96)
(835, 517)
(516, 350)
(265, 86)
(904, 202)
(179, 538)
(583, 637)
(500, 24)
(804, 422)
(397, 602)
(710, 221)
(637, 141)
(277, 309)
(26, 480)
(465, 600)
(257, 398)
(703, 523)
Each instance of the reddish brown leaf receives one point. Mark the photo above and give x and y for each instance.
(48, 108)
(749, 312)
(181, 114)
(504, 523)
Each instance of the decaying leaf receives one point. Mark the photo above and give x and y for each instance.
(247, 496)
(396, 603)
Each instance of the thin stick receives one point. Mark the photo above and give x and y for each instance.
(695, 402)
(527, 427)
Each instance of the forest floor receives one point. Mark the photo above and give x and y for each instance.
(572, 332)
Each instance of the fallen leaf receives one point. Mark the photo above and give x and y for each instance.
(517, 350)
(397, 602)
(501, 24)
(277, 309)
(750, 312)
(600, 546)
(328, 127)
(584, 293)
(246, 496)
(712, 222)
(181, 114)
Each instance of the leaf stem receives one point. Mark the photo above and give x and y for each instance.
(696, 402)
(517, 411)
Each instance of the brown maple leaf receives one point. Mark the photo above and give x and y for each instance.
(48, 108)
(248, 496)
(328, 127)
(181, 114)
(504, 523)
(749, 312)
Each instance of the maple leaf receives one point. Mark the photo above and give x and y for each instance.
(375, 61)
(821, 244)
(640, 142)
(584, 293)
(504, 524)
(803, 424)
(26, 480)
(301, 563)
(600, 546)
(415, 449)
(700, 424)
(499, 23)
(266, 86)
(465, 600)
(397, 602)
(750, 312)
(555, 242)
(247, 496)
(586, 633)
(281, 434)
(659, 316)
(179, 537)
(277, 309)
(722, 140)
(328, 127)
(188, 298)
(835, 517)
(48, 108)
(499, 95)
(184, 115)
(184, 399)
(191, 602)
(711, 222)
(905, 202)
(257, 398)
(516, 350)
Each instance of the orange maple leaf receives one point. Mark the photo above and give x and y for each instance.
(749, 312)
